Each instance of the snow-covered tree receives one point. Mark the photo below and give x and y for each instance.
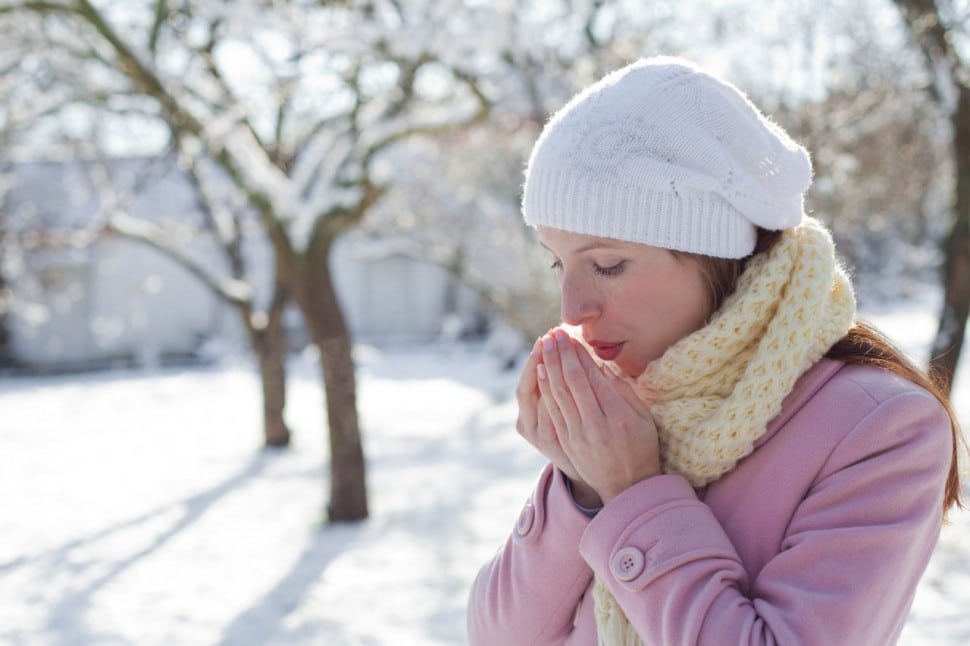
(458, 206)
(323, 114)
(23, 103)
(231, 225)
(849, 97)
(941, 29)
(880, 169)
(52, 108)
(296, 102)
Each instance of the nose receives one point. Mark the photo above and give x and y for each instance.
(578, 301)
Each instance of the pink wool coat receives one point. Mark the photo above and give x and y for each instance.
(818, 537)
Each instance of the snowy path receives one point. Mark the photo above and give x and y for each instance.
(135, 508)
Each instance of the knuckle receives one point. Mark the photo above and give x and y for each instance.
(624, 426)
(560, 391)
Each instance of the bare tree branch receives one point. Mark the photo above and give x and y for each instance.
(160, 15)
(482, 110)
(232, 291)
(37, 6)
(219, 217)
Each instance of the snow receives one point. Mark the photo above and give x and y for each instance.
(138, 508)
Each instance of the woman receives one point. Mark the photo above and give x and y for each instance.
(733, 458)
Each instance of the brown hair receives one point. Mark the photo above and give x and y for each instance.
(862, 345)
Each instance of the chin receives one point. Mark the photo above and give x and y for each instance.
(630, 368)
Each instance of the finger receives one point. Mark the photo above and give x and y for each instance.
(558, 390)
(625, 390)
(527, 396)
(597, 376)
(545, 425)
(601, 378)
(527, 386)
(547, 402)
(609, 389)
(577, 379)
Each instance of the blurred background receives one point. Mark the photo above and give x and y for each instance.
(265, 286)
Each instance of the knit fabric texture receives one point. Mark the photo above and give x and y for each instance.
(663, 153)
(713, 393)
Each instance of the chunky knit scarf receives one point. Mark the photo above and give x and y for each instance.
(713, 393)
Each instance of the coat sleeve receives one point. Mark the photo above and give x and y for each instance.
(845, 573)
(529, 592)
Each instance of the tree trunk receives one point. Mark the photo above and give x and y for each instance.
(956, 267)
(328, 329)
(5, 350)
(922, 18)
(6, 295)
(271, 353)
(348, 487)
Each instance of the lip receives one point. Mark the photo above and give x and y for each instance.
(606, 351)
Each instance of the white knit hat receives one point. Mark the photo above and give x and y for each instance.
(663, 153)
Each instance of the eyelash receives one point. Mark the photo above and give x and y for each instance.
(614, 270)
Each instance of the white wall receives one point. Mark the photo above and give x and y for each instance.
(121, 300)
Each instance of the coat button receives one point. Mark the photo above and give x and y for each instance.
(627, 563)
(525, 521)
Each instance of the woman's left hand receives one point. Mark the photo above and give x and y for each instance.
(606, 431)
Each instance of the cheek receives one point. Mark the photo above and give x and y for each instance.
(673, 306)
(691, 298)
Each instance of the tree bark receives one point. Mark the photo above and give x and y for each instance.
(328, 329)
(956, 267)
(4, 329)
(348, 488)
(269, 344)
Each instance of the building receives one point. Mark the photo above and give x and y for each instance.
(84, 298)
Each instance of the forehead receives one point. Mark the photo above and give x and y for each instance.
(562, 241)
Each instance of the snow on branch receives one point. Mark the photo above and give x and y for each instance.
(117, 221)
(234, 291)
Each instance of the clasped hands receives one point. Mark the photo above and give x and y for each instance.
(587, 421)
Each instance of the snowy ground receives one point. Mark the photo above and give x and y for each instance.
(137, 508)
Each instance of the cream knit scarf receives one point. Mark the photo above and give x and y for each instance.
(713, 393)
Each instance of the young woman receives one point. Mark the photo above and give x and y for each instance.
(733, 458)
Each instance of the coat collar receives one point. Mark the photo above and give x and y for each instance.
(805, 388)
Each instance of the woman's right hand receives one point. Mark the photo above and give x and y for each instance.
(535, 425)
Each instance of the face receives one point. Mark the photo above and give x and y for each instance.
(632, 301)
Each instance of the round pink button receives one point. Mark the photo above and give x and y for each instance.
(627, 563)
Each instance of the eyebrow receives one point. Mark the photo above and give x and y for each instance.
(599, 244)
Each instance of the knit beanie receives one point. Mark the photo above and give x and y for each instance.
(663, 153)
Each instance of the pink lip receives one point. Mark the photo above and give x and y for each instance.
(606, 351)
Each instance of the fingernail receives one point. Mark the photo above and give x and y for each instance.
(541, 372)
(547, 342)
(536, 345)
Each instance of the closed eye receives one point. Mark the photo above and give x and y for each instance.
(613, 270)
